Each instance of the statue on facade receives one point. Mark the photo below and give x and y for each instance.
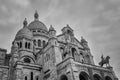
(104, 61)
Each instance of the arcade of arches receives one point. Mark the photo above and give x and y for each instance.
(85, 76)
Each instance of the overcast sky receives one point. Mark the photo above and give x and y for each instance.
(98, 21)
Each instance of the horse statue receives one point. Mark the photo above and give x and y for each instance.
(104, 61)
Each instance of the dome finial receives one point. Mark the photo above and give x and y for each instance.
(25, 22)
(36, 16)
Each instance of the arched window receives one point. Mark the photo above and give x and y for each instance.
(61, 49)
(31, 75)
(82, 57)
(27, 60)
(38, 31)
(20, 44)
(47, 57)
(34, 30)
(39, 43)
(44, 43)
(108, 78)
(34, 42)
(73, 52)
(63, 77)
(25, 77)
(26, 44)
(83, 76)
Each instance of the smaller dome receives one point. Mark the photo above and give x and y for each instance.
(24, 32)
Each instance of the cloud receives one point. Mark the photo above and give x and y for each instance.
(4, 8)
(22, 3)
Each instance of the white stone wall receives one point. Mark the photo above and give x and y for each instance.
(3, 73)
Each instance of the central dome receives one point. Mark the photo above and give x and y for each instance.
(36, 24)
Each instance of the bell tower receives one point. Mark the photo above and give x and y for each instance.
(68, 32)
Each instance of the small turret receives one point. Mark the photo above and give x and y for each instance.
(52, 32)
(52, 35)
(84, 43)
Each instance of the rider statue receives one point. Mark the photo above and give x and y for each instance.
(104, 61)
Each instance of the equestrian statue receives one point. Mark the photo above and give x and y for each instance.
(104, 61)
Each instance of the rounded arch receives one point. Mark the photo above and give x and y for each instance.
(20, 44)
(26, 44)
(29, 45)
(25, 56)
(44, 43)
(73, 50)
(39, 43)
(34, 42)
(63, 77)
(97, 77)
(108, 78)
(27, 60)
(83, 76)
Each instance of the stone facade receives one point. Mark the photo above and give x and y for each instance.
(39, 54)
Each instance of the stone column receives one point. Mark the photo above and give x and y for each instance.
(102, 74)
(90, 73)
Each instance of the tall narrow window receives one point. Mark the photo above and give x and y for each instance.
(25, 77)
(73, 52)
(20, 44)
(31, 76)
(26, 44)
(34, 42)
(39, 43)
(44, 43)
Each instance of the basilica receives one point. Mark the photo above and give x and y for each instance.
(37, 53)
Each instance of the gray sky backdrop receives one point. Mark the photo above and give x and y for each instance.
(97, 20)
